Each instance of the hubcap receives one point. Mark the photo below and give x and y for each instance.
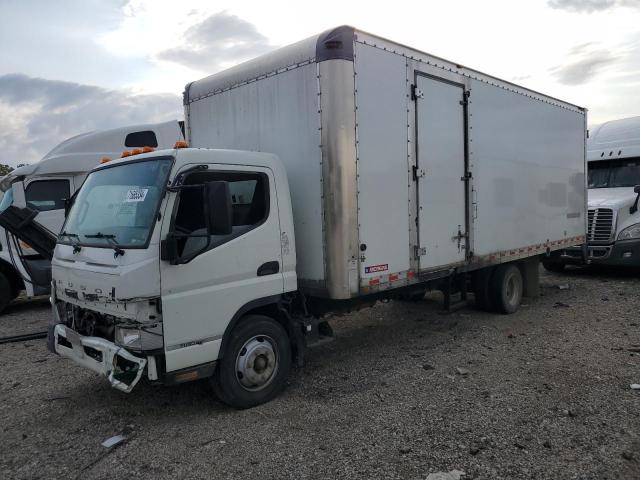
(512, 289)
(257, 363)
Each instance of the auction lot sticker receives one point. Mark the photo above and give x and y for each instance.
(136, 195)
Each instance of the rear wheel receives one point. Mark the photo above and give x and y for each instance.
(481, 289)
(255, 363)
(506, 288)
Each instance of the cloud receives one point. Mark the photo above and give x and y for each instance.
(217, 41)
(590, 6)
(36, 114)
(584, 62)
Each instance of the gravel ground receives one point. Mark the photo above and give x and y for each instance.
(405, 391)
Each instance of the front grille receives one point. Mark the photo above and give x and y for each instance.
(600, 226)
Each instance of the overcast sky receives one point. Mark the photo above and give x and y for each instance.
(71, 66)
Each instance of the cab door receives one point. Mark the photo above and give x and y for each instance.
(201, 296)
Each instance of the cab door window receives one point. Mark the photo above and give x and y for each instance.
(250, 208)
(44, 195)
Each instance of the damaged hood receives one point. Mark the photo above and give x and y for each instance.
(97, 275)
(614, 198)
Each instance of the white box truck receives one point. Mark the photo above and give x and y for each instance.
(613, 230)
(37, 192)
(323, 176)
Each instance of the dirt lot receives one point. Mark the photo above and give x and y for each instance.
(405, 391)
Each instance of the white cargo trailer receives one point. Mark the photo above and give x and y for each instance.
(325, 175)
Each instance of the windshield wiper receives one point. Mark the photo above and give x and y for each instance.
(112, 241)
(76, 245)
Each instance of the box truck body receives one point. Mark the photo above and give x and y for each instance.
(323, 176)
(400, 163)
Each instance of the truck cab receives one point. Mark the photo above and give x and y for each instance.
(613, 230)
(161, 259)
(38, 191)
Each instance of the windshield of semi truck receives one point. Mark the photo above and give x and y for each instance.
(118, 205)
(614, 173)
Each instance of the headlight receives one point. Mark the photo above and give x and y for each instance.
(140, 337)
(630, 233)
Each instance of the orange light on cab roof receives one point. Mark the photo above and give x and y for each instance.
(136, 151)
(181, 144)
(126, 153)
(148, 149)
(104, 160)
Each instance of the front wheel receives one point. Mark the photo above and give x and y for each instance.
(255, 364)
(506, 288)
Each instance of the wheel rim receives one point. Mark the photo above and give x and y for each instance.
(512, 289)
(257, 363)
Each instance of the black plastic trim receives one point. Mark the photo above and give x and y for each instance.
(253, 304)
(336, 44)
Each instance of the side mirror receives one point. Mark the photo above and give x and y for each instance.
(634, 208)
(218, 208)
(169, 249)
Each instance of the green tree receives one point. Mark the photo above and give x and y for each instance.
(5, 169)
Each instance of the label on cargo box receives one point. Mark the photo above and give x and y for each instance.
(376, 268)
(136, 195)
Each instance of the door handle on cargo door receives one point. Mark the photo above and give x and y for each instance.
(268, 268)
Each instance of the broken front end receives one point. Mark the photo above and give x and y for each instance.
(120, 341)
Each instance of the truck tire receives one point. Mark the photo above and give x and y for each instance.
(6, 292)
(255, 363)
(506, 288)
(554, 267)
(482, 289)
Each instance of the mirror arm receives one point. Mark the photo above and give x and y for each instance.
(634, 208)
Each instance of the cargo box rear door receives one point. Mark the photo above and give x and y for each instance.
(441, 172)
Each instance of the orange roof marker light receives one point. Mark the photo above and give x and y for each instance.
(104, 160)
(126, 153)
(181, 144)
(136, 151)
(148, 149)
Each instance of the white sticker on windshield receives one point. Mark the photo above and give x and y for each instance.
(136, 195)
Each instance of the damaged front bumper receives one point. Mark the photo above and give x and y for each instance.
(122, 369)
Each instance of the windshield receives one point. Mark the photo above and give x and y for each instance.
(614, 173)
(117, 205)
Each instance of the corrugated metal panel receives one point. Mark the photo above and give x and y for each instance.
(383, 201)
(276, 115)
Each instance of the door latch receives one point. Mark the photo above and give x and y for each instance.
(459, 237)
(416, 92)
(418, 173)
(419, 251)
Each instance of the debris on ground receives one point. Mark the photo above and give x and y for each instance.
(113, 441)
(428, 366)
(462, 371)
(452, 475)
(561, 305)
(635, 386)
